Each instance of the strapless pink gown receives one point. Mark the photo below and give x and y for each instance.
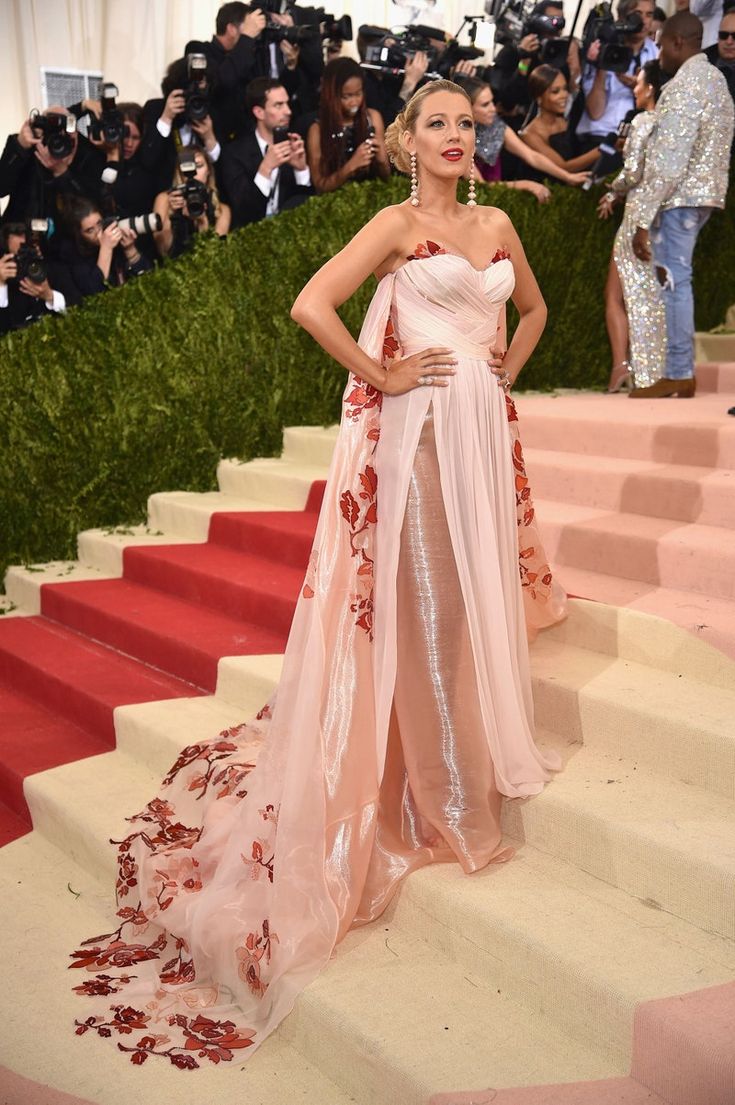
(403, 715)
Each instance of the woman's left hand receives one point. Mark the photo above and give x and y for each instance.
(495, 362)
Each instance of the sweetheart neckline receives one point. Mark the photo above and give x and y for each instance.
(448, 253)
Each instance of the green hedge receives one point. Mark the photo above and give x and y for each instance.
(144, 388)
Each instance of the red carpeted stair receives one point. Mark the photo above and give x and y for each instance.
(157, 633)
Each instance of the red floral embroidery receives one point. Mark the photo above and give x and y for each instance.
(257, 947)
(425, 249)
(361, 513)
(213, 1040)
(362, 398)
(390, 342)
(536, 577)
(500, 255)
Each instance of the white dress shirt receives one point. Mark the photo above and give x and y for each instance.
(188, 137)
(269, 186)
(57, 304)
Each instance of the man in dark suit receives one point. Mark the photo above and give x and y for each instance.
(263, 177)
(22, 301)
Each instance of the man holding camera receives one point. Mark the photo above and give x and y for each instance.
(514, 63)
(687, 159)
(25, 292)
(609, 95)
(46, 162)
(722, 54)
(265, 171)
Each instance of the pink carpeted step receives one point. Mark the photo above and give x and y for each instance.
(33, 739)
(75, 678)
(676, 491)
(169, 633)
(668, 431)
(285, 536)
(707, 618)
(631, 546)
(610, 1091)
(718, 377)
(684, 1046)
(245, 587)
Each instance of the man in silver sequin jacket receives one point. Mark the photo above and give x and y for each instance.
(688, 155)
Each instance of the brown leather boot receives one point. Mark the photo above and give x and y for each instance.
(665, 389)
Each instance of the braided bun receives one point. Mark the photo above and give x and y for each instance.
(406, 121)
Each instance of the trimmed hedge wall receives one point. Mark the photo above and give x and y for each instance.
(144, 388)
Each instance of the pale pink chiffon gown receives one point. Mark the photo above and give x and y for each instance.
(403, 715)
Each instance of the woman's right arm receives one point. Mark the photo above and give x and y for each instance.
(539, 161)
(315, 309)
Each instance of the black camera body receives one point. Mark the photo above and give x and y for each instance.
(196, 93)
(30, 265)
(391, 52)
(193, 191)
(110, 127)
(615, 56)
(55, 131)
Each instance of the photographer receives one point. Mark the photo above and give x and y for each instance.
(515, 62)
(44, 164)
(181, 118)
(608, 95)
(722, 54)
(231, 54)
(95, 253)
(385, 91)
(346, 143)
(192, 206)
(265, 171)
(292, 54)
(133, 189)
(26, 296)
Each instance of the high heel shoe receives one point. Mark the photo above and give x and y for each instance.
(666, 389)
(624, 382)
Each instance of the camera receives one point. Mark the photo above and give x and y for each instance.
(614, 56)
(193, 191)
(196, 93)
(30, 265)
(110, 127)
(518, 18)
(142, 224)
(280, 134)
(55, 131)
(390, 52)
(309, 24)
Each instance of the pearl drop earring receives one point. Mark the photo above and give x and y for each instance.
(414, 182)
(471, 199)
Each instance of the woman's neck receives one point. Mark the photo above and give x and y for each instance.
(437, 197)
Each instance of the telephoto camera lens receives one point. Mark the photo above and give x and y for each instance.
(142, 224)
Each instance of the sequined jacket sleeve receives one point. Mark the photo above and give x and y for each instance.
(634, 153)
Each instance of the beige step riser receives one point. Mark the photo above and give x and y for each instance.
(303, 445)
(688, 446)
(289, 492)
(665, 744)
(691, 889)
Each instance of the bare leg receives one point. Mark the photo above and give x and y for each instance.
(616, 320)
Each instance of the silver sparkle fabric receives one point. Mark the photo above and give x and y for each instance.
(489, 140)
(689, 149)
(643, 294)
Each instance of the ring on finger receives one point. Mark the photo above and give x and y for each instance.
(426, 379)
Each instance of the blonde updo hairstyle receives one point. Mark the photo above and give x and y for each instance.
(406, 121)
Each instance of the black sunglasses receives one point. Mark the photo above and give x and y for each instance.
(724, 35)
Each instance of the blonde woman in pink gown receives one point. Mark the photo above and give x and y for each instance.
(404, 713)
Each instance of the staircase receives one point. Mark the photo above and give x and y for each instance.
(526, 975)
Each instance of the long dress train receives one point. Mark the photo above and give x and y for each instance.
(403, 715)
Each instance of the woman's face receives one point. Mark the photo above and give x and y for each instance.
(554, 99)
(131, 141)
(90, 228)
(202, 173)
(444, 137)
(483, 107)
(643, 92)
(350, 97)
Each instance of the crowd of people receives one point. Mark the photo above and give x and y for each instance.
(268, 113)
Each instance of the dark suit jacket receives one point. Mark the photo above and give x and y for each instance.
(240, 161)
(35, 193)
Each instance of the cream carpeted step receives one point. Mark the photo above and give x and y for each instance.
(247, 682)
(714, 347)
(665, 842)
(271, 480)
(664, 722)
(54, 904)
(187, 513)
(103, 549)
(580, 950)
(309, 445)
